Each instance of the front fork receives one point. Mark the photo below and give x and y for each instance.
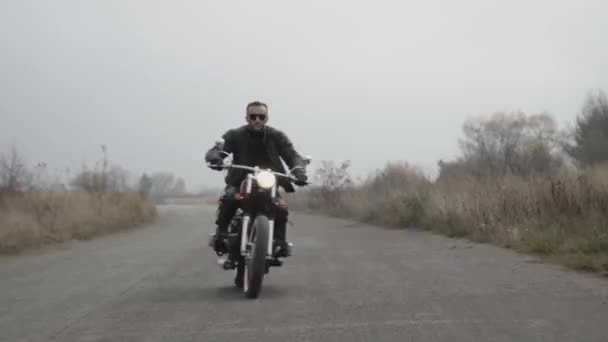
(270, 237)
(245, 235)
(247, 219)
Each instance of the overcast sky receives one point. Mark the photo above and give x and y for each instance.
(373, 81)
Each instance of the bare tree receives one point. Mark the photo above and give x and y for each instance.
(492, 143)
(333, 177)
(179, 188)
(504, 143)
(104, 177)
(163, 185)
(14, 174)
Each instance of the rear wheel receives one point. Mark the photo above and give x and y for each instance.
(255, 265)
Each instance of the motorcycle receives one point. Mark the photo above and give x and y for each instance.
(250, 246)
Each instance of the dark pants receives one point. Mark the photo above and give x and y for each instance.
(228, 208)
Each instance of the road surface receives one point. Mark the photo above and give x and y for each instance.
(346, 282)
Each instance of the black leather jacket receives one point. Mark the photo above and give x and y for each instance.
(278, 146)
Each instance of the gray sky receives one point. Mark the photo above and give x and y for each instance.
(370, 81)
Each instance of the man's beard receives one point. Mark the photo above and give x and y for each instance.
(257, 131)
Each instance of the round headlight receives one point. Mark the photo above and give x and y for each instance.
(266, 180)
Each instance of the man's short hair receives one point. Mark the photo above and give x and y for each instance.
(256, 104)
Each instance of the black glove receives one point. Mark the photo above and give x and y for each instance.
(215, 163)
(301, 179)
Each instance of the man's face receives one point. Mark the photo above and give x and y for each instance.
(257, 116)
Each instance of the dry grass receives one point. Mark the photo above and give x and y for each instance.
(563, 216)
(30, 220)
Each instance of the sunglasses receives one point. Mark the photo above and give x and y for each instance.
(253, 117)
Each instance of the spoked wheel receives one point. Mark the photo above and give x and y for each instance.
(255, 263)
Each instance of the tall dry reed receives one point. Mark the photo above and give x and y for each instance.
(33, 219)
(563, 216)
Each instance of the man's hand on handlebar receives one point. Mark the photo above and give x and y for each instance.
(216, 160)
(301, 182)
(216, 164)
(300, 178)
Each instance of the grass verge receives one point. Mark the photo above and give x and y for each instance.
(34, 219)
(562, 217)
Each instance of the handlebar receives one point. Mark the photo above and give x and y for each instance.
(257, 169)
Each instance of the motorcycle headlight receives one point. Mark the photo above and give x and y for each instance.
(266, 180)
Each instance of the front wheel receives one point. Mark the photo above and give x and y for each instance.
(255, 264)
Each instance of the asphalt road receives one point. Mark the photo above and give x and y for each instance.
(345, 282)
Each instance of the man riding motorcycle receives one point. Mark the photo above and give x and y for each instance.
(255, 144)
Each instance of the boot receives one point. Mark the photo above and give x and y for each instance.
(217, 240)
(282, 249)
